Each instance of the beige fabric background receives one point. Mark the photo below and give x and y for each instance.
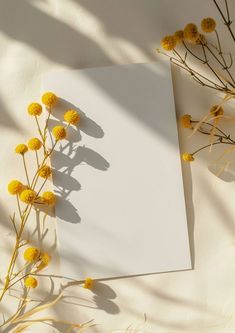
(39, 35)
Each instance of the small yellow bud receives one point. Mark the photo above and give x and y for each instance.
(28, 196)
(49, 198)
(45, 259)
(186, 121)
(191, 32)
(45, 171)
(188, 157)
(31, 254)
(208, 24)
(168, 43)
(30, 282)
(59, 133)
(179, 36)
(34, 109)
(49, 99)
(72, 117)
(88, 283)
(34, 144)
(15, 187)
(21, 149)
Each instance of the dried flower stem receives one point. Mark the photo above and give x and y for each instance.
(227, 20)
(25, 168)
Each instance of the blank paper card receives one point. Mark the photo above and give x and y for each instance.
(120, 207)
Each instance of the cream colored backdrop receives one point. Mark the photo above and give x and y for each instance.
(39, 35)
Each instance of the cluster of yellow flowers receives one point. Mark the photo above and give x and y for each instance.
(42, 259)
(71, 117)
(32, 197)
(29, 196)
(27, 193)
(190, 34)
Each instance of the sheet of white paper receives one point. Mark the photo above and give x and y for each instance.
(121, 209)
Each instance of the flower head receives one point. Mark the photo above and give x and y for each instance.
(28, 196)
(179, 36)
(30, 282)
(186, 121)
(200, 40)
(216, 110)
(168, 43)
(59, 133)
(34, 109)
(15, 187)
(88, 283)
(45, 259)
(49, 198)
(191, 32)
(45, 171)
(21, 149)
(31, 254)
(208, 24)
(188, 157)
(72, 117)
(49, 99)
(34, 144)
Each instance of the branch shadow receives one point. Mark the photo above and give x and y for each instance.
(55, 33)
(67, 157)
(102, 299)
(6, 120)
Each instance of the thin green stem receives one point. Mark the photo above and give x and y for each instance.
(14, 224)
(40, 133)
(25, 168)
(18, 205)
(37, 159)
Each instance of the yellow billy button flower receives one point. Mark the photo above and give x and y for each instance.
(168, 43)
(188, 157)
(59, 133)
(49, 198)
(28, 196)
(30, 282)
(31, 254)
(179, 36)
(49, 99)
(34, 144)
(186, 121)
(21, 149)
(216, 110)
(15, 187)
(88, 283)
(34, 109)
(72, 117)
(45, 259)
(191, 32)
(44, 171)
(208, 24)
(200, 40)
